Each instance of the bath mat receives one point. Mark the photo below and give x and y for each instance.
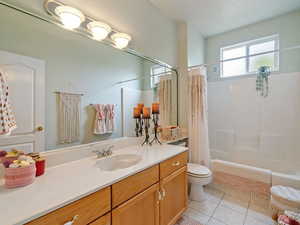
(187, 221)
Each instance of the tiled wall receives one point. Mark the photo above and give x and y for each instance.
(262, 132)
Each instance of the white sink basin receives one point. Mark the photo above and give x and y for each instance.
(119, 162)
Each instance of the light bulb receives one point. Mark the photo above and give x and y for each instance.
(121, 40)
(99, 30)
(69, 16)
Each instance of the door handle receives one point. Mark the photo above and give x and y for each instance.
(40, 128)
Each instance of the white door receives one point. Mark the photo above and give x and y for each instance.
(26, 83)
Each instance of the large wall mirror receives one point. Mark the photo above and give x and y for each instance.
(58, 79)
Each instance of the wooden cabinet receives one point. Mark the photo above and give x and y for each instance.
(104, 220)
(171, 165)
(174, 196)
(155, 196)
(129, 187)
(86, 210)
(142, 209)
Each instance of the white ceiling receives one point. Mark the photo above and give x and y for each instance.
(211, 17)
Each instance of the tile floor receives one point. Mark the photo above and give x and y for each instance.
(230, 208)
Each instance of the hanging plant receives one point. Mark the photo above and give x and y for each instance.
(262, 80)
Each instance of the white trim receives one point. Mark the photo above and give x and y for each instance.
(166, 71)
(247, 44)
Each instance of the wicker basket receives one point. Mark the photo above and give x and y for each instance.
(19, 177)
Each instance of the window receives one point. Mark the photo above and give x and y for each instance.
(156, 72)
(246, 58)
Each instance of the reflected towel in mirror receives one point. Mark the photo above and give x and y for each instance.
(7, 119)
(100, 124)
(69, 117)
(110, 118)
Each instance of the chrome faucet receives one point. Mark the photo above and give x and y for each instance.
(106, 151)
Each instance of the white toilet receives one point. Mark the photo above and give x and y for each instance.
(198, 176)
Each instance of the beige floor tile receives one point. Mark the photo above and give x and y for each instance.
(196, 215)
(213, 194)
(251, 221)
(213, 221)
(207, 207)
(229, 216)
(245, 196)
(260, 214)
(260, 202)
(187, 221)
(235, 203)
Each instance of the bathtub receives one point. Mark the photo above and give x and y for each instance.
(248, 178)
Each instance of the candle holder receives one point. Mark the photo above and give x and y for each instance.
(155, 121)
(137, 127)
(147, 126)
(141, 123)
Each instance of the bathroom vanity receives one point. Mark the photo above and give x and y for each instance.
(152, 192)
(154, 196)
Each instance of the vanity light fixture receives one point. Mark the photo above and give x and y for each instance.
(99, 30)
(69, 16)
(121, 40)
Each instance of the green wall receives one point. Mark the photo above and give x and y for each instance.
(287, 26)
(195, 45)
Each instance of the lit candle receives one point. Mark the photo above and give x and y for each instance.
(136, 112)
(155, 108)
(141, 106)
(146, 112)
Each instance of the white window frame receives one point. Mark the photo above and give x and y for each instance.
(154, 75)
(247, 57)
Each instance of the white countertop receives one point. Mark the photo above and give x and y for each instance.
(71, 181)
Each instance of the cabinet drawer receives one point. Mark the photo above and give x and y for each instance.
(104, 220)
(86, 209)
(169, 166)
(129, 187)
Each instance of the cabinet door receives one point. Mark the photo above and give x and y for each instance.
(104, 220)
(174, 200)
(142, 209)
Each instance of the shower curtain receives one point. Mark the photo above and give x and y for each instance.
(198, 127)
(165, 101)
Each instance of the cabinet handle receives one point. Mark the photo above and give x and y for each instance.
(73, 220)
(177, 163)
(163, 192)
(159, 195)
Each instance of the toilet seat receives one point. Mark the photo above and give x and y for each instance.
(196, 170)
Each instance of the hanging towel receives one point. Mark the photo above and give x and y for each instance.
(110, 118)
(69, 118)
(165, 101)
(100, 120)
(7, 119)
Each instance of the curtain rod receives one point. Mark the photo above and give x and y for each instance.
(242, 57)
(143, 77)
(61, 92)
